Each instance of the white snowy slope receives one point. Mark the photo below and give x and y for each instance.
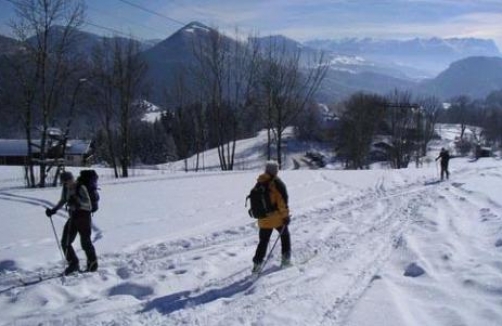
(175, 248)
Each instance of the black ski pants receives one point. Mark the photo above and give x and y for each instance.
(265, 234)
(444, 170)
(78, 223)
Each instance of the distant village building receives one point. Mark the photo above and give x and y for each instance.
(15, 152)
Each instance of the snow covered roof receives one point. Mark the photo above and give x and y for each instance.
(78, 147)
(19, 147)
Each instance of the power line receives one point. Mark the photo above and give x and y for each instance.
(116, 31)
(107, 13)
(108, 29)
(153, 12)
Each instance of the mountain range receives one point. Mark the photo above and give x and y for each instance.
(429, 55)
(367, 68)
(441, 67)
(475, 77)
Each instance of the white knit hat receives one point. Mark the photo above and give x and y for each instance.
(271, 167)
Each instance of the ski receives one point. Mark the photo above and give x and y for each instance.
(304, 260)
(25, 281)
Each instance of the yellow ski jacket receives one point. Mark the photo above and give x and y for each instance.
(278, 199)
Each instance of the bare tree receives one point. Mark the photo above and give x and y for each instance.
(460, 105)
(227, 72)
(241, 85)
(63, 140)
(103, 97)
(359, 124)
(187, 119)
(401, 119)
(493, 121)
(308, 125)
(119, 73)
(431, 108)
(287, 88)
(211, 51)
(129, 73)
(47, 29)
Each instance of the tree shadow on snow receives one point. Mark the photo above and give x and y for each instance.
(184, 299)
(7, 266)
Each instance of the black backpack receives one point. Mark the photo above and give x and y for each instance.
(260, 200)
(89, 178)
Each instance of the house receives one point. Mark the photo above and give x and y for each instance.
(15, 152)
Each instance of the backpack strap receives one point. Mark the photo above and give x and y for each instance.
(281, 187)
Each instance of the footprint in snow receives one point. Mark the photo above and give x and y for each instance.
(413, 270)
(135, 290)
(180, 272)
(486, 214)
(185, 244)
(123, 273)
(8, 266)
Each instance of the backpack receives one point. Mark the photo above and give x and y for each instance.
(89, 178)
(260, 200)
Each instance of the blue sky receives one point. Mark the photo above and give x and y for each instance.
(298, 19)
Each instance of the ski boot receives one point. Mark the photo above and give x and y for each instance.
(72, 268)
(92, 266)
(285, 262)
(256, 268)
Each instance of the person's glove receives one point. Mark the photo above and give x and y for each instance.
(286, 220)
(49, 212)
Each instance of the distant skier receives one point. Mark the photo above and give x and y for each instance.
(444, 155)
(78, 203)
(277, 219)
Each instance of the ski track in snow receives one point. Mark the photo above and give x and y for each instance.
(37, 202)
(355, 250)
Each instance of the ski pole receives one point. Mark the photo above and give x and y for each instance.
(57, 240)
(273, 247)
(60, 250)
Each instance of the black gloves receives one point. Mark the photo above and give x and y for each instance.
(49, 212)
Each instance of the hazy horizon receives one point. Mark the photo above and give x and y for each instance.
(297, 19)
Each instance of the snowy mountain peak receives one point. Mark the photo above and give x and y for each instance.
(195, 25)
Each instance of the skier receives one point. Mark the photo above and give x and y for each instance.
(277, 219)
(78, 204)
(445, 158)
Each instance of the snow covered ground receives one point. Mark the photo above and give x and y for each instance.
(374, 247)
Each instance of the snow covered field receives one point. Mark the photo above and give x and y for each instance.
(175, 248)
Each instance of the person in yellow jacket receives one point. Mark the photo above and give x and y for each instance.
(277, 219)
